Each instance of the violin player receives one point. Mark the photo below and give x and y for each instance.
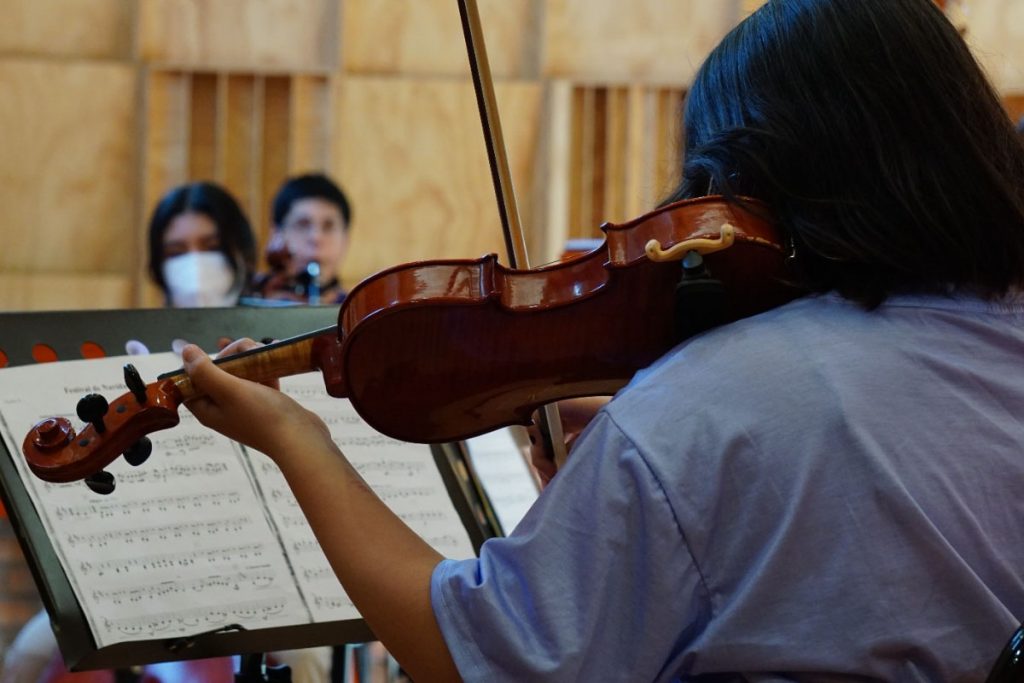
(826, 491)
(312, 218)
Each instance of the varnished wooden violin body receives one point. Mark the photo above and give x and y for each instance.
(448, 350)
(440, 351)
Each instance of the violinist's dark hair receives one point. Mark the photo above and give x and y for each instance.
(236, 238)
(310, 185)
(874, 137)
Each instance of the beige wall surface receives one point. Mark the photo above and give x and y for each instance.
(80, 29)
(106, 104)
(67, 197)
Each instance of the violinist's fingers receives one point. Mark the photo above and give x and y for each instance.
(240, 345)
(576, 414)
(229, 347)
(541, 457)
(242, 410)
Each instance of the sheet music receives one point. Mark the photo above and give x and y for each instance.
(502, 469)
(403, 475)
(204, 534)
(172, 551)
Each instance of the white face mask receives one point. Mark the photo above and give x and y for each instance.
(200, 278)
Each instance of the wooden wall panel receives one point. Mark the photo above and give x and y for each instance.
(69, 166)
(42, 291)
(995, 31)
(623, 147)
(167, 124)
(241, 140)
(425, 37)
(285, 34)
(96, 29)
(310, 124)
(652, 41)
(412, 159)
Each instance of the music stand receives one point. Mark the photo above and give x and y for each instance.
(65, 332)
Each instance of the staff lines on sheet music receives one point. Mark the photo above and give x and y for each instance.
(423, 516)
(187, 442)
(244, 580)
(213, 556)
(364, 441)
(294, 521)
(332, 602)
(162, 504)
(408, 468)
(161, 533)
(305, 391)
(284, 496)
(163, 474)
(154, 474)
(302, 547)
(389, 493)
(196, 620)
(318, 573)
(335, 420)
(442, 541)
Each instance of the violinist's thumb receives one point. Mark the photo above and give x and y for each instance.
(541, 456)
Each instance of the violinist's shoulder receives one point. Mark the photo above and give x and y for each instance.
(751, 359)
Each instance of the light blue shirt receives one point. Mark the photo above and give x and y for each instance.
(816, 493)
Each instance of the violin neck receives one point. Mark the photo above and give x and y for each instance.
(294, 356)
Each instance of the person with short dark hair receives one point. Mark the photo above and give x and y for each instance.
(312, 219)
(201, 248)
(826, 491)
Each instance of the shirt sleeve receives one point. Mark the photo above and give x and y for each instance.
(577, 591)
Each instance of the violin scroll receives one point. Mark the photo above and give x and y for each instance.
(55, 452)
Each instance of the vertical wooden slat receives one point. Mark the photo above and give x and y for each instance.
(635, 158)
(165, 159)
(578, 117)
(667, 148)
(203, 139)
(257, 205)
(615, 158)
(308, 135)
(560, 174)
(220, 127)
(599, 144)
(276, 152)
(239, 162)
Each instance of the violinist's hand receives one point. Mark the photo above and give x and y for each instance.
(256, 415)
(576, 414)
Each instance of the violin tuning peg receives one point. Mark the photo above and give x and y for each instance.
(102, 483)
(139, 452)
(92, 408)
(135, 384)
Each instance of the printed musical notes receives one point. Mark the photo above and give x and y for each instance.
(402, 474)
(205, 534)
(181, 543)
(502, 470)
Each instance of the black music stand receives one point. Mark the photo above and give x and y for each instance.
(65, 332)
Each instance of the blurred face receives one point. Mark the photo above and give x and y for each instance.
(195, 271)
(190, 232)
(314, 230)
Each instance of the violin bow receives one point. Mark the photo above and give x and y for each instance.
(550, 423)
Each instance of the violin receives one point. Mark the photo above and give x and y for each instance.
(440, 351)
(279, 283)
